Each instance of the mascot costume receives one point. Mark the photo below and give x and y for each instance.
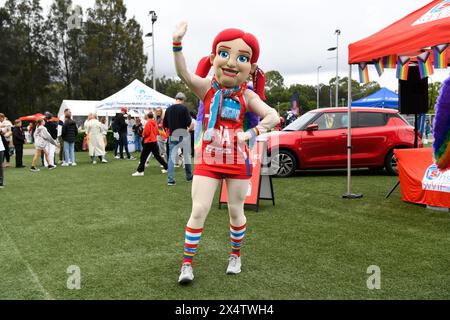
(223, 131)
(441, 126)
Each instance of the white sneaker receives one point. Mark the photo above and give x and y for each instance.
(138, 174)
(234, 264)
(94, 162)
(186, 275)
(116, 157)
(163, 171)
(104, 160)
(65, 164)
(74, 164)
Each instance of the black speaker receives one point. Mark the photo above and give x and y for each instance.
(413, 93)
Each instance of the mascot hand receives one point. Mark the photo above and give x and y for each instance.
(180, 31)
(243, 136)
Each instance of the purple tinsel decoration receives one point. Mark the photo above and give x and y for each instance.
(441, 125)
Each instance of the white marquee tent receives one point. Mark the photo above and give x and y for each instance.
(136, 96)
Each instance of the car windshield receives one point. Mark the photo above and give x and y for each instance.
(300, 122)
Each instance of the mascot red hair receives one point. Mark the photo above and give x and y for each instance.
(221, 148)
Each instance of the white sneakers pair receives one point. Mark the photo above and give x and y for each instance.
(187, 272)
(66, 164)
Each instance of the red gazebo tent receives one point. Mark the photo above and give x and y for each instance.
(417, 32)
(35, 117)
(429, 26)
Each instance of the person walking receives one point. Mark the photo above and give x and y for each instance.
(19, 141)
(69, 136)
(94, 129)
(41, 139)
(177, 119)
(149, 135)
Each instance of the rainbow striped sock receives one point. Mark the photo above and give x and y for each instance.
(191, 240)
(237, 235)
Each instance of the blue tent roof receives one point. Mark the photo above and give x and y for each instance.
(384, 98)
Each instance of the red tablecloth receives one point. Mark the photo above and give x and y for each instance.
(413, 166)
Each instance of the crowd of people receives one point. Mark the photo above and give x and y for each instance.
(153, 138)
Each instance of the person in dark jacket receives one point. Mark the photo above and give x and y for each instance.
(69, 136)
(178, 120)
(122, 128)
(18, 141)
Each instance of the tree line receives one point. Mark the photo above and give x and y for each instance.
(75, 55)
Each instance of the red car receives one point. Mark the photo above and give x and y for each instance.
(318, 140)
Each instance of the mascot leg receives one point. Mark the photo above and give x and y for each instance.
(203, 190)
(237, 191)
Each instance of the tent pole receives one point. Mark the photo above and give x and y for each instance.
(349, 194)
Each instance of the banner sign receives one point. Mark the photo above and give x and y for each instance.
(436, 179)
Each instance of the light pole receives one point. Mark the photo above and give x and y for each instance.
(318, 86)
(152, 34)
(337, 32)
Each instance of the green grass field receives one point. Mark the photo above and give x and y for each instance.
(126, 235)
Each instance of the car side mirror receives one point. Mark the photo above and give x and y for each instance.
(312, 127)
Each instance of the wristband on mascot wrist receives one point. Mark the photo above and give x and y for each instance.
(177, 47)
(254, 132)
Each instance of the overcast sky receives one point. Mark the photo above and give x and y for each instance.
(293, 35)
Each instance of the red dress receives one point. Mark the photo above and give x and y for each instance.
(222, 157)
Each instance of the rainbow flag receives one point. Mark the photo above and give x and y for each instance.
(379, 66)
(390, 61)
(402, 67)
(363, 73)
(425, 65)
(441, 56)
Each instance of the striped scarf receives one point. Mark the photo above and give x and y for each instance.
(216, 104)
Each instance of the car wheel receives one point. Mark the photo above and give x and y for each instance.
(390, 164)
(284, 164)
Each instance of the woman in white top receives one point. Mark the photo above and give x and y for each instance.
(41, 139)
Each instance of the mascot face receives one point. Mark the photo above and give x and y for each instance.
(231, 63)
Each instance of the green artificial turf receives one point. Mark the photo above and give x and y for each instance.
(126, 235)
